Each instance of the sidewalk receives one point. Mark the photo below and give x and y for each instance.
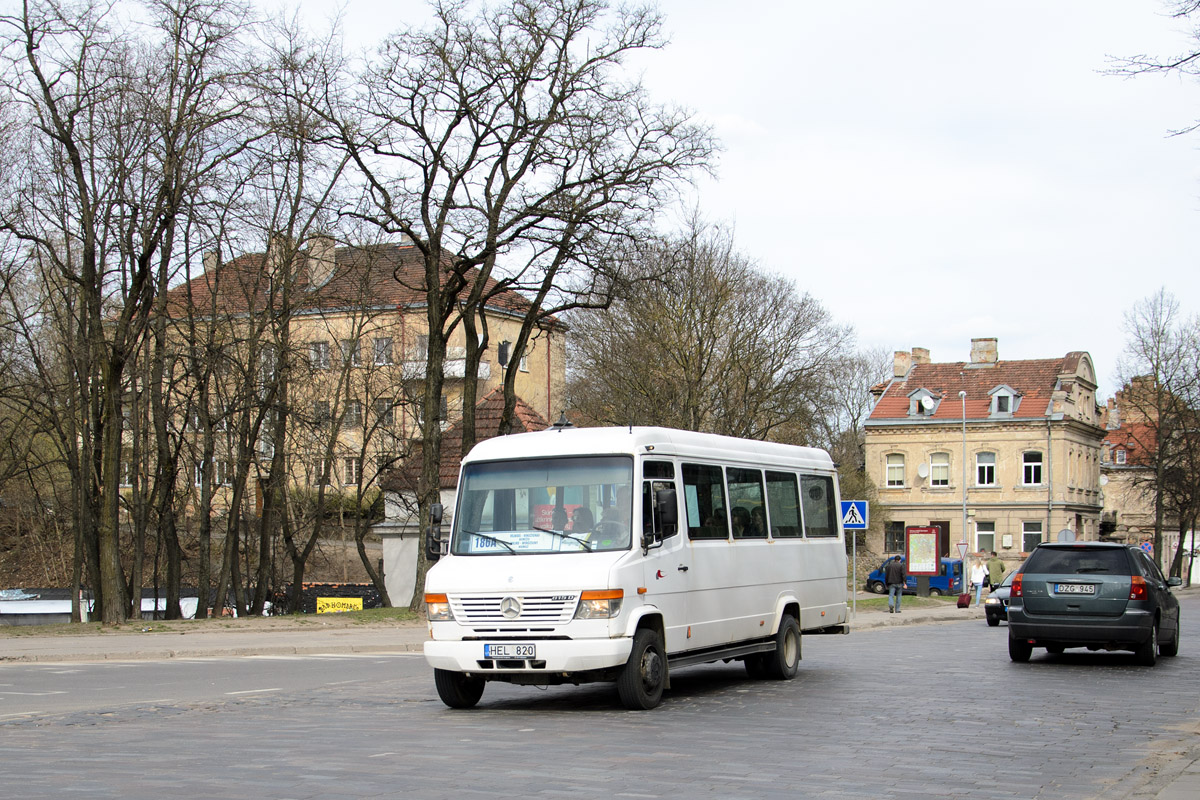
(311, 635)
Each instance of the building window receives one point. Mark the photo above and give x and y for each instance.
(523, 364)
(985, 469)
(351, 352)
(421, 347)
(321, 412)
(220, 475)
(351, 470)
(939, 469)
(126, 474)
(1032, 473)
(383, 350)
(384, 411)
(1031, 535)
(1121, 456)
(895, 469)
(322, 468)
(985, 537)
(353, 418)
(318, 355)
(1002, 404)
(893, 537)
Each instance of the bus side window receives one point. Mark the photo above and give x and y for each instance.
(648, 504)
(783, 503)
(820, 517)
(746, 499)
(704, 496)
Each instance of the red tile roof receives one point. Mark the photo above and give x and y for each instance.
(386, 275)
(1136, 439)
(1034, 380)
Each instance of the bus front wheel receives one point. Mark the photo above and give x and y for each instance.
(456, 689)
(644, 675)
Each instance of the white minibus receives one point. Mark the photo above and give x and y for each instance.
(621, 554)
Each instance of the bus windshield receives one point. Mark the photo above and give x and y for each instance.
(544, 505)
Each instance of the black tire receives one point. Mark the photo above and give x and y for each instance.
(1019, 650)
(877, 587)
(456, 689)
(1171, 648)
(1147, 653)
(643, 677)
(784, 662)
(935, 592)
(993, 622)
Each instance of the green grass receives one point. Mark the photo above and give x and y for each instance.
(910, 601)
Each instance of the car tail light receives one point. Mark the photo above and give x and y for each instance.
(1137, 588)
(1015, 591)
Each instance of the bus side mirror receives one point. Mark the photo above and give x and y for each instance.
(433, 536)
(668, 510)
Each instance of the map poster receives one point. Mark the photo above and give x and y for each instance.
(922, 558)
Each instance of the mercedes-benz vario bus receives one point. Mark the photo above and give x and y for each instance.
(621, 554)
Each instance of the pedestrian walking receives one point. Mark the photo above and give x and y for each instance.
(895, 577)
(995, 570)
(979, 574)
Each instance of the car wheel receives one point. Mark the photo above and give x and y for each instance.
(644, 675)
(456, 689)
(1171, 648)
(993, 622)
(877, 587)
(784, 663)
(935, 592)
(1147, 653)
(1019, 650)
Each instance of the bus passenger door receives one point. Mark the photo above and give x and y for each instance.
(667, 571)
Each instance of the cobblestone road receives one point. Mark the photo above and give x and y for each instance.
(904, 712)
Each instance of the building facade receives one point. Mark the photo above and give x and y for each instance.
(997, 455)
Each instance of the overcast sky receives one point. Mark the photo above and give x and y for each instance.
(937, 170)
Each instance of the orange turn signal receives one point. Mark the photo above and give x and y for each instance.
(602, 594)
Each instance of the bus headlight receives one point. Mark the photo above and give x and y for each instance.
(599, 604)
(437, 608)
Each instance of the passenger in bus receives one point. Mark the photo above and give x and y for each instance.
(558, 519)
(581, 520)
(758, 522)
(741, 523)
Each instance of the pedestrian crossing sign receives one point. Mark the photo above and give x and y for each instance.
(854, 515)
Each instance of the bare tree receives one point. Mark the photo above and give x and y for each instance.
(509, 133)
(711, 344)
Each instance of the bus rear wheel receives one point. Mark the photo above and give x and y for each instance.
(784, 663)
(456, 689)
(644, 675)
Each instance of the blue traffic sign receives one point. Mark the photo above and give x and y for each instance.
(854, 515)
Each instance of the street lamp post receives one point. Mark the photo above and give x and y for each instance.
(962, 395)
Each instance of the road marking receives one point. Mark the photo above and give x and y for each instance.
(256, 691)
(32, 694)
(21, 714)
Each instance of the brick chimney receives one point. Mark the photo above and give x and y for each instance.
(920, 355)
(210, 260)
(320, 260)
(984, 351)
(901, 363)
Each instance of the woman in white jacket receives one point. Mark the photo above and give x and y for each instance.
(979, 575)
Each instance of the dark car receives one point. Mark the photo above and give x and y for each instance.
(1098, 595)
(948, 581)
(995, 607)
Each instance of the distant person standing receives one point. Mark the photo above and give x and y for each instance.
(995, 570)
(895, 577)
(979, 574)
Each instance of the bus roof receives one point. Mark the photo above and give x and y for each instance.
(660, 441)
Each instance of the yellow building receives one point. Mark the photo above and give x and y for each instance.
(998, 455)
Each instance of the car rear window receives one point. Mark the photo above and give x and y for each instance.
(1078, 561)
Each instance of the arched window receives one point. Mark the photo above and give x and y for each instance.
(985, 469)
(939, 469)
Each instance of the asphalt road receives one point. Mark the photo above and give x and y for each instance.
(895, 712)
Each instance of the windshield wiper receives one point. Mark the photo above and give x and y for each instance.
(490, 538)
(564, 535)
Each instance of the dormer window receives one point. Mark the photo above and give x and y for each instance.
(1005, 401)
(923, 403)
(1121, 456)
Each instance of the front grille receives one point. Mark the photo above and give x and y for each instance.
(545, 609)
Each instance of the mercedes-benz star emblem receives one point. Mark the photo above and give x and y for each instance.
(510, 607)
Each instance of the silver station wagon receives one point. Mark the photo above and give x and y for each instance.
(1098, 595)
